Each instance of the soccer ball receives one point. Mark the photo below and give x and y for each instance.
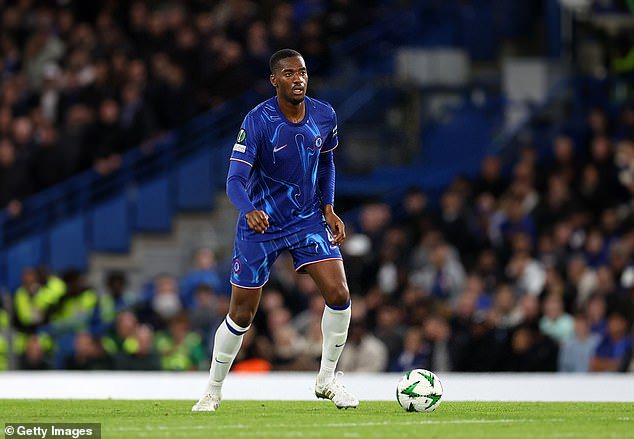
(419, 391)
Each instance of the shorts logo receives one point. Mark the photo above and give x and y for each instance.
(334, 131)
(318, 142)
(237, 266)
(331, 238)
(239, 148)
(242, 135)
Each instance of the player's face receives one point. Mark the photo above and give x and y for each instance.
(291, 79)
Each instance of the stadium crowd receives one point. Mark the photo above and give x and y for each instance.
(528, 267)
(83, 81)
(526, 270)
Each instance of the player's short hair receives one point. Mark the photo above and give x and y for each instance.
(280, 55)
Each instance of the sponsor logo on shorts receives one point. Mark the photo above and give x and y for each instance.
(237, 266)
(331, 238)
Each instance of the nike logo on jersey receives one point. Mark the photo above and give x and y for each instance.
(279, 148)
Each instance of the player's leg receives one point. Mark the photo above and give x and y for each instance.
(316, 256)
(247, 282)
(227, 341)
(331, 281)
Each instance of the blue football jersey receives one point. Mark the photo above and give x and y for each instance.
(284, 157)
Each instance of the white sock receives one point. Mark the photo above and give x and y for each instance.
(334, 328)
(226, 346)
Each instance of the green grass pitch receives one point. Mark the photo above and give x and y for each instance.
(278, 419)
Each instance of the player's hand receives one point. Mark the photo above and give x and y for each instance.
(337, 226)
(258, 220)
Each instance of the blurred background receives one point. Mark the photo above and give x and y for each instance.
(485, 173)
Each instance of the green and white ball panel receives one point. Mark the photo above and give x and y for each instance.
(419, 391)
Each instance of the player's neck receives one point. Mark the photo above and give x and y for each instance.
(293, 112)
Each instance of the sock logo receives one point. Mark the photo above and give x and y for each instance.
(339, 345)
(221, 362)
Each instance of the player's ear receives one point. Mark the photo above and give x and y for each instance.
(273, 80)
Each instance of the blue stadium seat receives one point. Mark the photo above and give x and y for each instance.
(26, 253)
(220, 159)
(153, 210)
(67, 245)
(110, 227)
(463, 140)
(194, 183)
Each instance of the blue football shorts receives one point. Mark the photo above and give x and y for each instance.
(252, 260)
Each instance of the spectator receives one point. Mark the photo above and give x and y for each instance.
(15, 183)
(490, 180)
(34, 356)
(416, 352)
(363, 351)
(207, 313)
(556, 323)
(203, 272)
(114, 299)
(443, 277)
(531, 352)
(438, 333)
(527, 273)
(35, 297)
(144, 357)
(614, 352)
(390, 330)
(73, 311)
(48, 164)
(179, 348)
(565, 162)
(453, 222)
(88, 354)
(481, 350)
(120, 340)
(596, 310)
(576, 352)
(164, 304)
(503, 311)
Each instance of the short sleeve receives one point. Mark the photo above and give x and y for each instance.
(246, 146)
(332, 141)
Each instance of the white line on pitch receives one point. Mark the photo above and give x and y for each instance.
(331, 425)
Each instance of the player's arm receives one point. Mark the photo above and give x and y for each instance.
(326, 181)
(237, 178)
(240, 166)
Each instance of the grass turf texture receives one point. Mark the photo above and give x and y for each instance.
(275, 419)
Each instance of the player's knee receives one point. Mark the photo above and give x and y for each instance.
(242, 316)
(337, 295)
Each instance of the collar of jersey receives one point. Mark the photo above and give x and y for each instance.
(279, 112)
